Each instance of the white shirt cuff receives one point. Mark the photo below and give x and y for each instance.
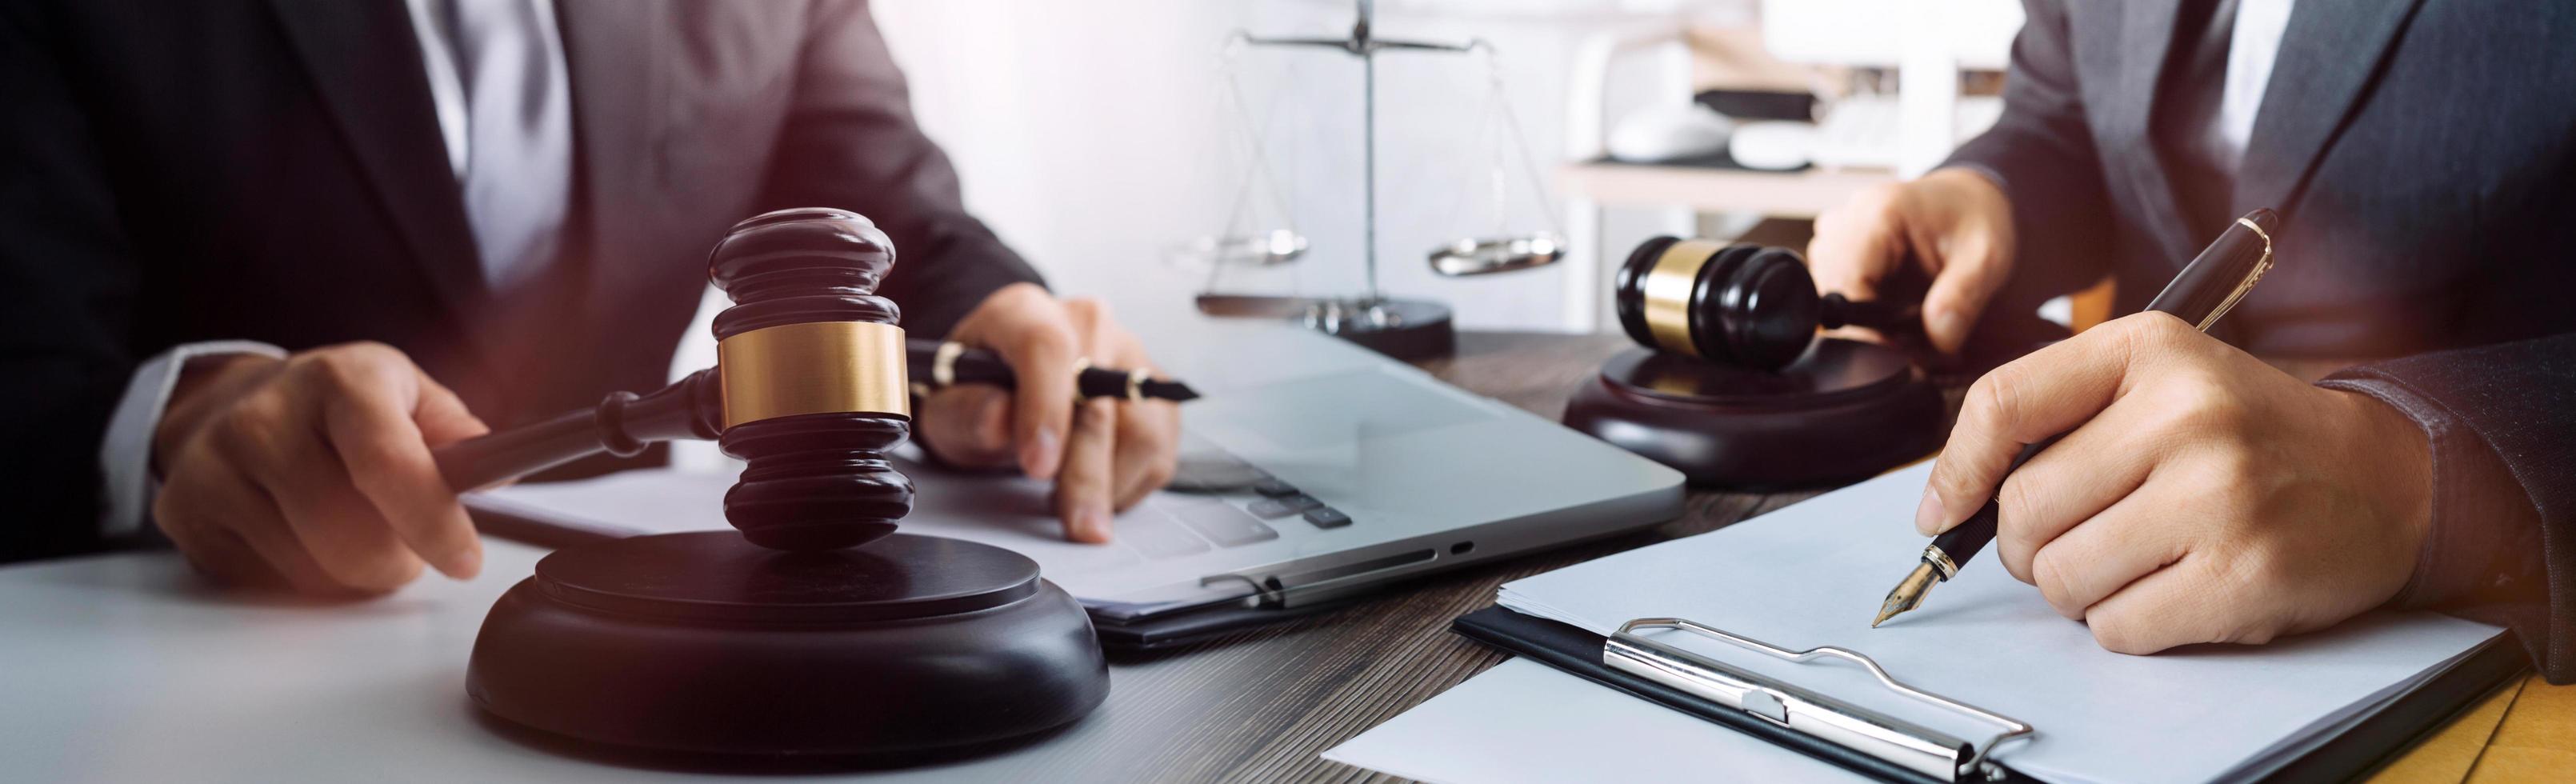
(125, 455)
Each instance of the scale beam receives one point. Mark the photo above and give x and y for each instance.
(1357, 46)
(1364, 45)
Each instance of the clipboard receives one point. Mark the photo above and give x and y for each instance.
(1722, 695)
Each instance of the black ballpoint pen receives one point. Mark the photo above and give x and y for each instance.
(2199, 295)
(942, 364)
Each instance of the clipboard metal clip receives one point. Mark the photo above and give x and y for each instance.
(1915, 747)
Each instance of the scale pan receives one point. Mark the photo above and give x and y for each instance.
(1487, 255)
(1270, 248)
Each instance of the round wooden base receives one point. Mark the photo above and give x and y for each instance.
(704, 643)
(1842, 412)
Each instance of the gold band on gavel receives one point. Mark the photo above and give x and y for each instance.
(1668, 292)
(820, 367)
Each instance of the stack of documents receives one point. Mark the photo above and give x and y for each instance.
(1813, 574)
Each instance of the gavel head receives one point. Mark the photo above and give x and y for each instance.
(1739, 304)
(811, 367)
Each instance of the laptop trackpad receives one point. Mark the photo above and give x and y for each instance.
(1331, 411)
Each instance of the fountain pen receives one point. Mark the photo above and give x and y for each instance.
(948, 363)
(2203, 292)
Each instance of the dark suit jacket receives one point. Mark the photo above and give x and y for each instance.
(2423, 153)
(271, 170)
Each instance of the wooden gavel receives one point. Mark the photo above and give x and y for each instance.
(809, 389)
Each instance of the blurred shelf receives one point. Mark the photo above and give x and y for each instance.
(1794, 194)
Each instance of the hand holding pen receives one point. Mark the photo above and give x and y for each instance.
(939, 364)
(2204, 291)
(2168, 489)
(1102, 453)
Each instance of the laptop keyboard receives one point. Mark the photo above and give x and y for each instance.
(1327, 517)
(1204, 468)
(1219, 500)
(1221, 522)
(1275, 508)
(1158, 536)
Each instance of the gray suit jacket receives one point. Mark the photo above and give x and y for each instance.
(272, 170)
(2423, 153)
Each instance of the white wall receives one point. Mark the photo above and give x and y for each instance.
(1088, 134)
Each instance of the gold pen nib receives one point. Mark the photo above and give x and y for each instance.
(1907, 595)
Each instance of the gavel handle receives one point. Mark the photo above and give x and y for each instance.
(1880, 315)
(621, 425)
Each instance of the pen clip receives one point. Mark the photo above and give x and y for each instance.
(2254, 275)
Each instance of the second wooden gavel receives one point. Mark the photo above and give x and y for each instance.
(1738, 304)
(809, 389)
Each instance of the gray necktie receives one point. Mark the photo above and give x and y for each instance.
(518, 126)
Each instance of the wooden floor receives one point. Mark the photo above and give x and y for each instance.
(1270, 700)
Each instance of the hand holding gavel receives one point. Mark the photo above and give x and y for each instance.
(1953, 226)
(314, 472)
(337, 470)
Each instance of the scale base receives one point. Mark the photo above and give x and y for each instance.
(1842, 412)
(1406, 329)
(704, 644)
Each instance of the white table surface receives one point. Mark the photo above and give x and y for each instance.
(127, 668)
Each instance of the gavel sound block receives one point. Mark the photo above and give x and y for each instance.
(813, 629)
(1732, 386)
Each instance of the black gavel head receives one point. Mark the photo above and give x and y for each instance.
(1739, 304)
(814, 387)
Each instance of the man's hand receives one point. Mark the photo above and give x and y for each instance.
(1953, 223)
(2201, 495)
(1105, 454)
(314, 471)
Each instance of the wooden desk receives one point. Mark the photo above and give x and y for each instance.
(1291, 691)
(122, 667)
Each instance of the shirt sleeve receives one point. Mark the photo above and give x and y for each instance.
(125, 454)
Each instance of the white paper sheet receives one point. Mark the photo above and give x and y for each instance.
(1813, 574)
(1525, 722)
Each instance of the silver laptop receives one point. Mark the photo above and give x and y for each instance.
(1312, 471)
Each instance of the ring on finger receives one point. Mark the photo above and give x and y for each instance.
(1081, 365)
(1136, 384)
